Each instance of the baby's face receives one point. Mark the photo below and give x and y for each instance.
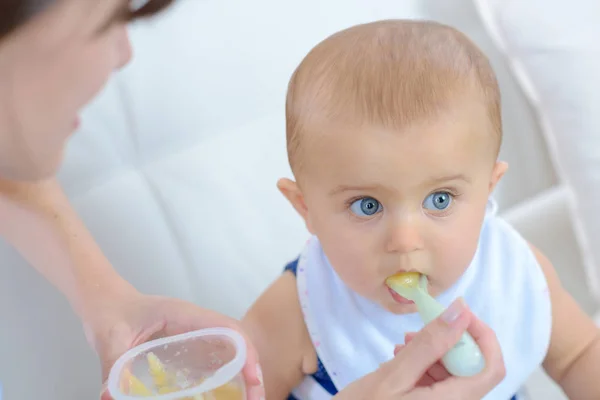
(383, 202)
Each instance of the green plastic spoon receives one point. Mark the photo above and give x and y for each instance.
(465, 358)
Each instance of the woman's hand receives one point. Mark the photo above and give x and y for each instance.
(136, 318)
(415, 373)
(39, 221)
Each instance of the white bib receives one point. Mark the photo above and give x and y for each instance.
(504, 286)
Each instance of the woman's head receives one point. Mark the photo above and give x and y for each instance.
(55, 55)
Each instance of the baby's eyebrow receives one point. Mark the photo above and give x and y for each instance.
(348, 188)
(456, 177)
(357, 188)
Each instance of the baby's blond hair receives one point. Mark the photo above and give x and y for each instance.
(392, 74)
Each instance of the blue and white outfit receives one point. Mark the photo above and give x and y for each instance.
(504, 286)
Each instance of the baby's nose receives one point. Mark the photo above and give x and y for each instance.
(404, 235)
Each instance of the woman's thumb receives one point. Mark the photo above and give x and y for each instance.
(431, 343)
(104, 395)
(106, 362)
(109, 356)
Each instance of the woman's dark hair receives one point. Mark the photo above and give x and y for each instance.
(14, 13)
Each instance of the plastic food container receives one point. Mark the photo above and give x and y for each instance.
(201, 365)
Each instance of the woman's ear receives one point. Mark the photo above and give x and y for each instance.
(292, 192)
(497, 174)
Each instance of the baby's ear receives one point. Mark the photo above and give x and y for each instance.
(292, 192)
(497, 174)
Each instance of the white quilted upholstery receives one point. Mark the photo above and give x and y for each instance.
(556, 57)
(175, 166)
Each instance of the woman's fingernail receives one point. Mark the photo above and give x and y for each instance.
(104, 392)
(397, 349)
(259, 374)
(454, 311)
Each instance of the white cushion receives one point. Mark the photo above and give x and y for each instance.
(554, 51)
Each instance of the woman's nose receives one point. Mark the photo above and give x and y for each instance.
(124, 50)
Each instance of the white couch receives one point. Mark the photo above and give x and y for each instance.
(175, 166)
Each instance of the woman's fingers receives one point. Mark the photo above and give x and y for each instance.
(488, 343)
(486, 339)
(428, 345)
(417, 361)
(398, 348)
(476, 387)
(438, 372)
(104, 395)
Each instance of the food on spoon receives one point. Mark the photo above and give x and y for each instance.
(405, 279)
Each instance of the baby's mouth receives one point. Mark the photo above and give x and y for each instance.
(403, 286)
(399, 299)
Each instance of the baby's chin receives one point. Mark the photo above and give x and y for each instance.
(400, 309)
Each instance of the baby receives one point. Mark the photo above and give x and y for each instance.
(393, 132)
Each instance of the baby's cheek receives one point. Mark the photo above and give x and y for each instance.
(353, 268)
(457, 256)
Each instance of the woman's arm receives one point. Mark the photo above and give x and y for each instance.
(38, 220)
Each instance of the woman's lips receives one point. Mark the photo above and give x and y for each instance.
(76, 123)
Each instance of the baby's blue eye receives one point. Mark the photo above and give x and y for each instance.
(365, 207)
(438, 201)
